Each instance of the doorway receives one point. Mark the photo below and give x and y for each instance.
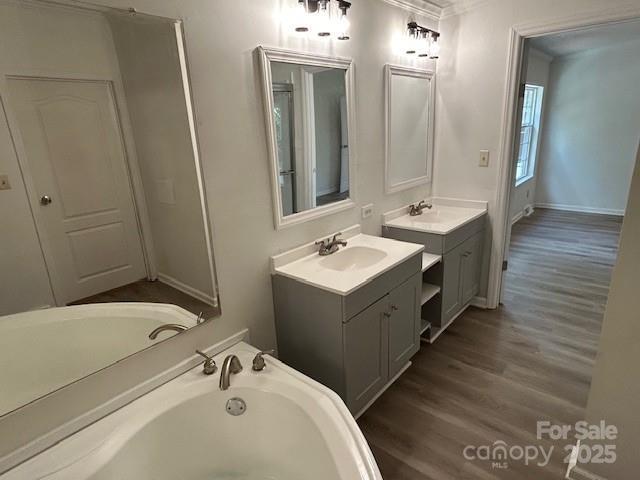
(575, 147)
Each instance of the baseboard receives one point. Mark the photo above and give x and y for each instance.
(579, 209)
(526, 211)
(579, 473)
(479, 302)
(575, 472)
(184, 288)
(517, 217)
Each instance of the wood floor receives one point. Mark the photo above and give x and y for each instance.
(152, 292)
(495, 373)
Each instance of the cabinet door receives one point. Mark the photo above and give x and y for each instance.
(404, 323)
(366, 357)
(451, 287)
(471, 265)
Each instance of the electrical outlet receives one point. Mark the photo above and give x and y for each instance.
(367, 210)
(484, 158)
(4, 182)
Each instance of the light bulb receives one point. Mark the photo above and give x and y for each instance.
(412, 40)
(425, 44)
(342, 24)
(434, 50)
(323, 19)
(300, 17)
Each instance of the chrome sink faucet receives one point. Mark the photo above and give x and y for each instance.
(327, 247)
(415, 210)
(230, 366)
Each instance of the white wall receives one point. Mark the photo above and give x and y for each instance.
(523, 195)
(58, 44)
(592, 130)
(221, 38)
(152, 82)
(615, 388)
(471, 86)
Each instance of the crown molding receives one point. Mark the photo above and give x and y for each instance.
(419, 7)
(463, 6)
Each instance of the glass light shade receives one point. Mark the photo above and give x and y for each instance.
(434, 49)
(412, 41)
(342, 26)
(424, 44)
(323, 19)
(300, 16)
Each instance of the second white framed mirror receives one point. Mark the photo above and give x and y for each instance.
(410, 115)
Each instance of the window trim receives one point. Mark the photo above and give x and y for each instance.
(534, 141)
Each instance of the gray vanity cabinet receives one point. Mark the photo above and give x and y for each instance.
(470, 267)
(458, 275)
(404, 324)
(451, 284)
(366, 354)
(354, 344)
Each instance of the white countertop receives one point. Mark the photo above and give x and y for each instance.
(445, 216)
(310, 268)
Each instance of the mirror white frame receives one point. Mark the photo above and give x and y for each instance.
(428, 76)
(268, 55)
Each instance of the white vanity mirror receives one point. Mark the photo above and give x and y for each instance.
(106, 204)
(410, 99)
(309, 104)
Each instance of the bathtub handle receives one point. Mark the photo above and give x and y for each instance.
(258, 360)
(209, 366)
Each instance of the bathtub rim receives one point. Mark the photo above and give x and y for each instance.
(117, 431)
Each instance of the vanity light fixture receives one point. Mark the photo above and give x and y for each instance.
(423, 41)
(324, 18)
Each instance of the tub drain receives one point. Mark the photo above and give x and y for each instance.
(236, 406)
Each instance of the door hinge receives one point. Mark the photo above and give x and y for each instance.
(523, 87)
(505, 265)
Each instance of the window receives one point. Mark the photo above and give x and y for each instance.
(531, 113)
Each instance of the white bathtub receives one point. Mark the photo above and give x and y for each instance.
(58, 346)
(293, 429)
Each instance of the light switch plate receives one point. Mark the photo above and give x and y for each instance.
(484, 158)
(367, 210)
(4, 182)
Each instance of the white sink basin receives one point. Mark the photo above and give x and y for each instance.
(354, 258)
(364, 258)
(440, 219)
(440, 215)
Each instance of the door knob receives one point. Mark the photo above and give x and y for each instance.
(45, 200)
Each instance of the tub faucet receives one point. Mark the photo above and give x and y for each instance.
(415, 210)
(230, 366)
(169, 326)
(327, 247)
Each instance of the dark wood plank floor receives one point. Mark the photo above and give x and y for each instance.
(151, 292)
(495, 373)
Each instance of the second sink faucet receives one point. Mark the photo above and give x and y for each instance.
(230, 366)
(327, 247)
(415, 210)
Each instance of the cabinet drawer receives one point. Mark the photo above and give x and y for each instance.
(455, 238)
(357, 301)
(432, 242)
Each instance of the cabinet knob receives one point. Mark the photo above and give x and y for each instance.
(387, 314)
(394, 308)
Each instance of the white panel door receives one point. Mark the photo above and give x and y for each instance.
(76, 158)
